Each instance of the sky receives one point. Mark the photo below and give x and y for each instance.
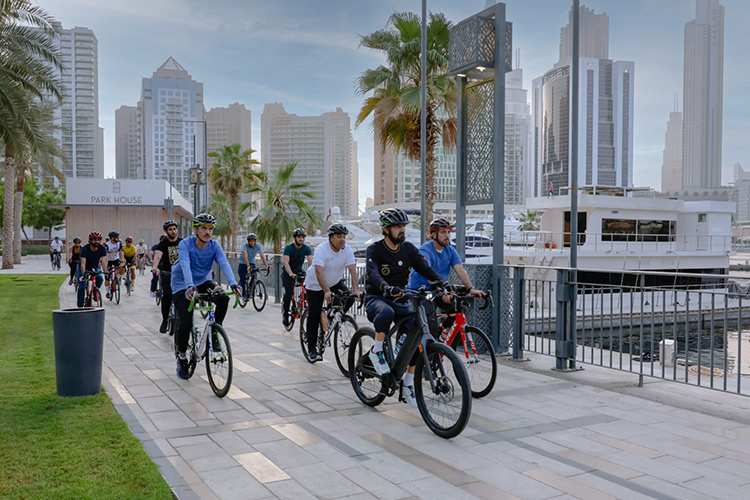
(306, 55)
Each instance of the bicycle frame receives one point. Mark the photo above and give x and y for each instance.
(200, 346)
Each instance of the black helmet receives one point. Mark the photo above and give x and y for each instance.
(170, 222)
(204, 219)
(114, 234)
(163, 237)
(440, 223)
(252, 236)
(393, 217)
(337, 229)
(76, 240)
(299, 232)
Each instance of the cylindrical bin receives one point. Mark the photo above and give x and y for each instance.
(79, 345)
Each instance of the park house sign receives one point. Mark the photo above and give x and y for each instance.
(122, 193)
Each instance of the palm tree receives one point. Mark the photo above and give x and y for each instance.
(395, 102)
(29, 65)
(285, 207)
(529, 219)
(219, 208)
(233, 174)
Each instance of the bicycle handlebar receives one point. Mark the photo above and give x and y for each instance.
(211, 295)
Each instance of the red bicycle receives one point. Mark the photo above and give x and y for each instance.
(299, 302)
(93, 297)
(471, 344)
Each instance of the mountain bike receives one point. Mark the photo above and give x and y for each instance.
(114, 284)
(471, 344)
(55, 261)
(441, 384)
(299, 302)
(217, 352)
(93, 297)
(255, 289)
(341, 327)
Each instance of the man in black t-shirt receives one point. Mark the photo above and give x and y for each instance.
(165, 256)
(389, 264)
(93, 258)
(294, 257)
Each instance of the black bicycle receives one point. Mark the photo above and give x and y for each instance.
(55, 261)
(255, 290)
(340, 327)
(441, 384)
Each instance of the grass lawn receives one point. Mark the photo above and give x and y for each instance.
(53, 447)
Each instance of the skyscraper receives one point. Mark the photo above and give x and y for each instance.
(703, 83)
(324, 150)
(518, 140)
(671, 168)
(128, 155)
(230, 125)
(605, 107)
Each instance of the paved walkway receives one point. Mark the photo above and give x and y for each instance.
(293, 430)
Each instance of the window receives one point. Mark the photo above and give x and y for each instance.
(701, 217)
(638, 230)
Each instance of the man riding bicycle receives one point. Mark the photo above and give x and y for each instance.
(74, 258)
(93, 258)
(151, 255)
(140, 253)
(115, 257)
(165, 255)
(247, 262)
(324, 277)
(294, 257)
(389, 262)
(441, 256)
(55, 248)
(191, 274)
(128, 251)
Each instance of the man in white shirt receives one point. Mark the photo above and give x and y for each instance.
(55, 246)
(324, 277)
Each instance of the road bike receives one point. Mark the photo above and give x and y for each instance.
(128, 281)
(92, 297)
(55, 261)
(255, 289)
(217, 352)
(471, 344)
(299, 302)
(340, 328)
(142, 265)
(114, 284)
(441, 384)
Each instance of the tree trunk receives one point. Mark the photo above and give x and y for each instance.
(9, 173)
(430, 190)
(234, 223)
(18, 222)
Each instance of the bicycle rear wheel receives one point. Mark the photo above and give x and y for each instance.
(482, 366)
(367, 384)
(447, 408)
(342, 338)
(219, 361)
(259, 295)
(303, 336)
(291, 317)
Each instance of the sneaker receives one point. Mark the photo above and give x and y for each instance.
(70, 281)
(163, 327)
(132, 287)
(313, 356)
(407, 394)
(109, 295)
(152, 294)
(215, 343)
(182, 369)
(285, 320)
(379, 363)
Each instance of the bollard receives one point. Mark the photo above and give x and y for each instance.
(79, 346)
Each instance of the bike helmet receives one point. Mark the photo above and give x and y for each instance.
(299, 232)
(129, 239)
(170, 222)
(163, 237)
(252, 236)
(393, 217)
(337, 229)
(140, 242)
(440, 223)
(204, 219)
(114, 234)
(76, 240)
(96, 235)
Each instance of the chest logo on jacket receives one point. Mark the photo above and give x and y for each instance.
(385, 270)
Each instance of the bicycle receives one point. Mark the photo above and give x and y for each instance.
(159, 292)
(472, 345)
(141, 265)
(128, 280)
(341, 327)
(299, 302)
(93, 297)
(441, 384)
(56, 261)
(114, 284)
(255, 289)
(218, 355)
(173, 321)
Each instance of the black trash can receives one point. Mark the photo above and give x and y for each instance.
(79, 345)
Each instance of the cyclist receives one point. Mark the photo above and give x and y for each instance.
(441, 256)
(165, 256)
(93, 258)
(151, 255)
(74, 257)
(55, 247)
(294, 256)
(247, 262)
(324, 277)
(389, 262)
(128, 251)
(191, 274)
(140, 253)
(115, 256)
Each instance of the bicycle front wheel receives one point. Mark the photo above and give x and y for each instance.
(342, 338)
(367, 385)
(158, 295)
(202, 304)
(259, 296)
(219, 361)
(479, 359)
(303, 336)
(446, 407)
(96, 298)
(290, 317)
(116, 293)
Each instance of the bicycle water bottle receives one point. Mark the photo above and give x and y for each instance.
(399, 343)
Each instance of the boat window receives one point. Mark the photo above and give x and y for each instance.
(638, 230)
(619, 229)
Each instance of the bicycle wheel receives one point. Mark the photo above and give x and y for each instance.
(158, 295)
(204, 313)
(342, 337)
(303, 336)
(127, 285)
(447, 408)
(96, 298)
(192, 355)
(367, 385)
(243, 301)
(259, 295)
(219, 361)
(290, 316)
(173, 322)
(482, 366)
(116, 293)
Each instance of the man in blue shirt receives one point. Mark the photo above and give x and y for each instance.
(247, 261)
(294, 258)
(192, 273)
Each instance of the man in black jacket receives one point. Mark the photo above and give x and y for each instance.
(389, 264)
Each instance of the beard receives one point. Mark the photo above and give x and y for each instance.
(398, 239)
